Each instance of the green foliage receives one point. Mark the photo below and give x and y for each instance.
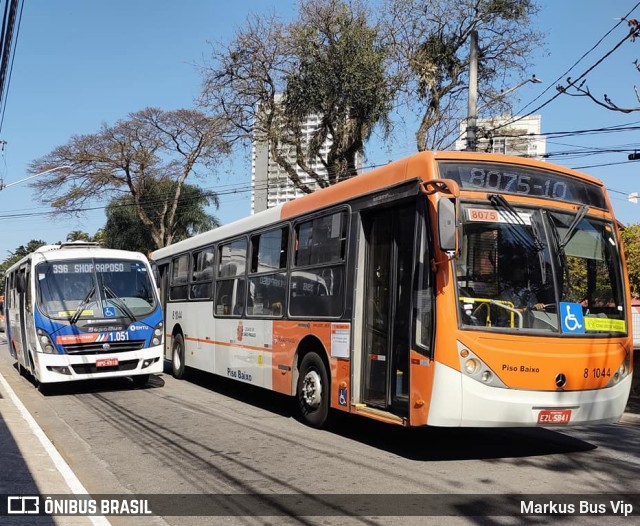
(16, 256)
(78, 235)
(429, 42)
(327, 62)
(631, 241)
(124, 229)
(339, 74)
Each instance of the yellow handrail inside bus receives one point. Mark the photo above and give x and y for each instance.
(487, 302)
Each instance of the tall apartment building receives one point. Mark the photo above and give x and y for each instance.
(520, 137)
(271, 184)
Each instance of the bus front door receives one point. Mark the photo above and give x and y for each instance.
(389, 235)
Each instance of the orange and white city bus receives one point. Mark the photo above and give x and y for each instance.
(398, 295)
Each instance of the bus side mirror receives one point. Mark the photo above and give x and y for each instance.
(448, 225)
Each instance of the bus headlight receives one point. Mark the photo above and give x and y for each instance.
(473, 367)
(45, 342)
(158, 335)
(622, 372)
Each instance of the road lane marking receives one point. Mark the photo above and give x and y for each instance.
(60, 463)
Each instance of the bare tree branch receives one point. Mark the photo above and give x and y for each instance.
(132, 156)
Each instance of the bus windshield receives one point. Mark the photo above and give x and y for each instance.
(94, 288)
(538, 270)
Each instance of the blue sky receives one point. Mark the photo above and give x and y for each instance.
(79, 64)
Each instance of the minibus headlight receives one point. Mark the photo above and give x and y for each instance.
(45, 342)
(158, 335)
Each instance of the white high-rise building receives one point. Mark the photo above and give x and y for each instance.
(507, 135)
(271, 184)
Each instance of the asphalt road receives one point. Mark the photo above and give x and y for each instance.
(209, 435)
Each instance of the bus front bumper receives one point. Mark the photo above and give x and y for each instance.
(460, 401)
(69, 367)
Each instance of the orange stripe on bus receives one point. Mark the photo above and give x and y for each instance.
(229, 344)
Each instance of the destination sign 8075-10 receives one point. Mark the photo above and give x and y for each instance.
(512, 179)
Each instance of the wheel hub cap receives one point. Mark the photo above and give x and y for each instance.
(312, 389)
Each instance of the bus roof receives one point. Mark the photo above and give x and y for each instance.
(416, 166)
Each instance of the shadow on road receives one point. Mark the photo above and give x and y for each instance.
(426, 444)
(91, 386)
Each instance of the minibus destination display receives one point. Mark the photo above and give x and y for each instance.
(83, 268)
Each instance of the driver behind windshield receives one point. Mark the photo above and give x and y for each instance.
(518, 288)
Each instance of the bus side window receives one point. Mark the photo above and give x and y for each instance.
(202, 274)
(318, 277)
(267, 279)
(178, 288)
(230, 281)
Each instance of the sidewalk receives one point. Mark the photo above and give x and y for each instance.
(29, 463)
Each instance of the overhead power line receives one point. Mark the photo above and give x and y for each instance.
(8, 39)
(580, 77)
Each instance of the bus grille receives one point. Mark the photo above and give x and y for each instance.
(97, 347)
(88, 368)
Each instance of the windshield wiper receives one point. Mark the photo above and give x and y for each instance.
(119, 302)
(533, 239)
(76, 315)
(572, 227)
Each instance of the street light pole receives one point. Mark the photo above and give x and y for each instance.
(472, 106)
(62, 167)
(473, 93)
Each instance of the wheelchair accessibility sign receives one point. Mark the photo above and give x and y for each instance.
(571, 318)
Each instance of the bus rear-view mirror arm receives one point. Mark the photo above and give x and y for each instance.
(447, 212)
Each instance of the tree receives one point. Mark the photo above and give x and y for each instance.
(631, 241)
(578, 87)
(429, 43)
(326, 63)
(78, 235)
(124, 229)
(16, 256)
(128, 158)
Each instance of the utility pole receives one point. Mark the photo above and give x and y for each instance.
(472, 107)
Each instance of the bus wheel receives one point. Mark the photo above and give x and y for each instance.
(313, 391)
(177, 356)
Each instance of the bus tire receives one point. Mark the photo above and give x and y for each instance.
(313, 391)
(177, 357)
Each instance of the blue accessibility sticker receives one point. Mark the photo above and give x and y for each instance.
(572, 318)
(109, 312)
(342, 396)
